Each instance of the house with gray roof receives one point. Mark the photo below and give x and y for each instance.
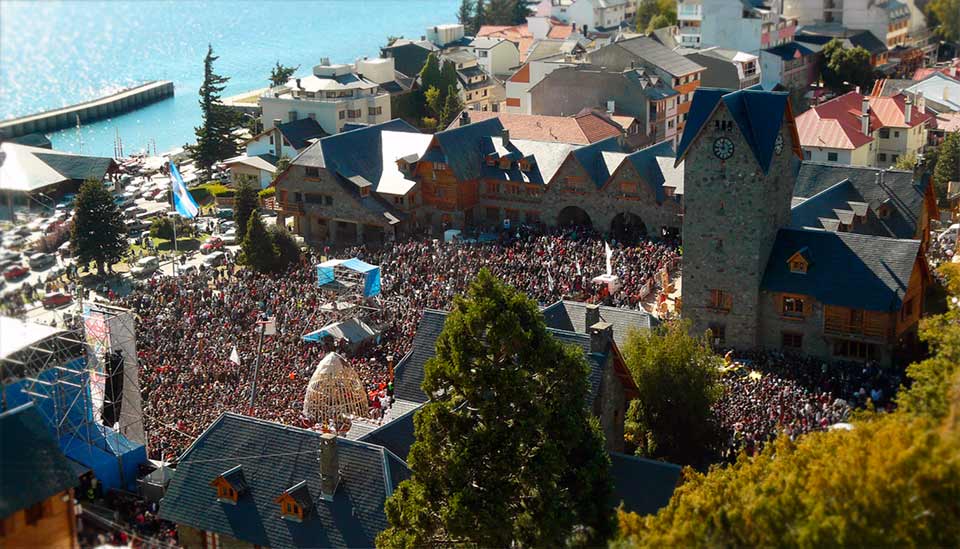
(250, 482)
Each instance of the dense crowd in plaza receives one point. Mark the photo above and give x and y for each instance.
(188, 326)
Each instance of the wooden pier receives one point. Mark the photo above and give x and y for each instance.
(89, 111)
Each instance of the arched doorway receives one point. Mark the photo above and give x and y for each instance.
(628, 228)
(572, 216)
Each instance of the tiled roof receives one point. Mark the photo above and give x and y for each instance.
(33, 466)
(409, 372)
(897, 190)
(759, 115)
(948, 122)
(643, 485)
(836, 123)
(658, 55)
(939, 88)
(397, 435)
(846, 269)
(790, 51)
(274, 458)
(820, 34)
(571, 316)
(579, 130)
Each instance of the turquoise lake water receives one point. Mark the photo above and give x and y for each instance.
(54, 54)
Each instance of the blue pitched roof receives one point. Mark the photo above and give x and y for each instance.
(643, 485)
(300, 131)
(789, 50)
(368, 475)
(645, 162)
(591, 158)
(846, 269)
(33, 466)
(758, 114)
(396, 436)
(466, 147)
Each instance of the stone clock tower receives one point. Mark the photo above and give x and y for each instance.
(741, 154)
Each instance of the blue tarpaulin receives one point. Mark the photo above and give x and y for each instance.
(371, 274)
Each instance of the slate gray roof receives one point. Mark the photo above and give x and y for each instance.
(396, 436)
(31, 140)
(275, 458)
(76, 167)
(646, 163)
(789, 50)
(820, 34)
(846, 269)
(408, 376)
(300, 131)
(571, 316)
(658, 55)
(899, 191)
(643, 485)
(593, 162)
(352, 152)
(758, 114)
(32, 466)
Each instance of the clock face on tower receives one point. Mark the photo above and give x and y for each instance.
(778, 145)
(723, 148)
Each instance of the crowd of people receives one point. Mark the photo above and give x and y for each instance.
(769, 392)
(189, 325)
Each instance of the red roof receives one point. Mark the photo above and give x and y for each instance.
(953, 71)
(582, 129)
(836, 123)
(521, 35)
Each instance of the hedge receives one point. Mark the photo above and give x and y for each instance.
(267, 193)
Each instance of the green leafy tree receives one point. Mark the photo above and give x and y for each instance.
(281, 74)
(479, 15)
(843, 69)
(452, 106)
(428, 123)
(215, 140)
(947, 15)
(499, 12)
(448, 77)
(391, 39)
(434, 102)
(245, 206)
(465, 16)
(947, 167)
(658, 22)
(678, 380)
(162, 227)
(648, 10)
(906, 162)
(506, 453)
(521, 10)
(281, 167)
(430, 73)
(259, 250)
(288, 252)
(98, 232)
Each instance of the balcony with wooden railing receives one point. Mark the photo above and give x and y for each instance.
(841, 321)
(290, 208)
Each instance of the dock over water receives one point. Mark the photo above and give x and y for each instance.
(88, 111)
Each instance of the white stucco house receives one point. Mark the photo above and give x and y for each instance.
(588, 14)
(496, 56)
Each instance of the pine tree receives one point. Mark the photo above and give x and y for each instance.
(98, 232)
(451, 106)
(479, 11)
(288, 253)
(521, 10)
(281, 74)
(430, 73)
(434, 102)
(245, 205)
(506, 453)
(499, 12)
(947, 168)
(448, 77)
(259, 250)
(465, 16)
(215, 139)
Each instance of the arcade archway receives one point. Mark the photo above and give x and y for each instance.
(628, 227)
(573, 216)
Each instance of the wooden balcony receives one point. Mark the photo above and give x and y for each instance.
(290, 208)
(870, 325)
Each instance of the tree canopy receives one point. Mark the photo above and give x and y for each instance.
(98, 232)
(506, 452)
(245, 205)
(215, 139)
(281, 74)
(947, 16)
(844, 68)
(259, 250)
(678, 379)
(947, 166)
(654, 14)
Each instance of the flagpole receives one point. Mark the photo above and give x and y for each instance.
(174, 221)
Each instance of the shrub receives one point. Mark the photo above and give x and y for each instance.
(267, 193)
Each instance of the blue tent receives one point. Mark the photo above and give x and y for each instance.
(371, 274)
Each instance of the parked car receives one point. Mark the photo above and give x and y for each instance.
(41, 261)
(215, 259)
(14, 241)
(230, 237)
(9, 255)
(56, 299)
(211, 245)
(225, 213)
(145, 266)
(16, 272)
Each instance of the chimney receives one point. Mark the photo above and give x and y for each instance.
(464, 118)
(505, 137)
(611, 106)
(908, 111)
(592, 316)
(946, 93)
(277, 122)
(865, 117)
(423, 37)
(601, 336)
(298, 84)
(921, 103)
(329, 466)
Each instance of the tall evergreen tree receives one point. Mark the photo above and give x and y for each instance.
(280, 74)
(451, 106)
(465, 16)
(521, 10)
(245, 205)
(448, 77)
(430, 73)
(258, 247)
(98, 232)
(479, 13)
(506, 453)
(215, 140)
(499, 12)
(947, 168)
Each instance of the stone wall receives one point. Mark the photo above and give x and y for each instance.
(611, 406)
(732, 213)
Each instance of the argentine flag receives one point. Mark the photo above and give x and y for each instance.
(182, 200)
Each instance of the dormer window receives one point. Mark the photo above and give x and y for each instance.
(798, 262)
(798, 267)
(364, 191)
(230, 485)
(295, 502)
(505, 163)
(491, 160)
